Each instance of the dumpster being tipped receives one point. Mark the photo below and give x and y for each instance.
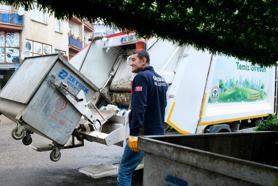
(49, 97)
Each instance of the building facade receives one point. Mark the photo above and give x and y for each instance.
(43, 34)
(11, 26)
(80, 32)
(32, 33)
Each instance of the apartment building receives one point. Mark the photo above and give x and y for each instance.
(35, 32)
(80, 32)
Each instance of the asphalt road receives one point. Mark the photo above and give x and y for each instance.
(21, 165)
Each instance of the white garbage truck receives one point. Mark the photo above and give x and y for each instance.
(88, 97)
(207, 93)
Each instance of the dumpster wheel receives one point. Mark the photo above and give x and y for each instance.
(16, 135)
(27, 140)
(55, 155)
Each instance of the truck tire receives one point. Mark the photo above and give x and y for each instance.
(218, 128)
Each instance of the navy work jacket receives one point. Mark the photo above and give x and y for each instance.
(148, 103)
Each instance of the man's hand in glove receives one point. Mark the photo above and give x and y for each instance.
(133, 143)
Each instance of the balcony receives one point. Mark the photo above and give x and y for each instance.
(11, 18)
(88, 26)
(75, 43)
(76, 20)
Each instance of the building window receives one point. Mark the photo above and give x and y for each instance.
(58, 25)
(39, 16)
(75, 31)
(9, 47)
(12, 39)
(33, 48)
(46, 49)
(2, 55)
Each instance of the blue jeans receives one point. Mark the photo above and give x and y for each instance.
(128, 164)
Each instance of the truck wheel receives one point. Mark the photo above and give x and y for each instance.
(218, 128)
(55, 155)
(16, 135)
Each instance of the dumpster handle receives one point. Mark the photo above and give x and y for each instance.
(63, 87)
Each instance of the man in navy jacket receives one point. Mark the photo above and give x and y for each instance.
(148, 104)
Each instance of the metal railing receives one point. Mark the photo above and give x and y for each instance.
(7, 17)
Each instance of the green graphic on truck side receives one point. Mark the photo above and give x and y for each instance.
(237, 91)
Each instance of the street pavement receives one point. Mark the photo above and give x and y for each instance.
(22, 166)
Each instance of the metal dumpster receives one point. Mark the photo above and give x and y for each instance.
(32, 98)
(211, 159)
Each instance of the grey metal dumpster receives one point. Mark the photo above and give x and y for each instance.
(31, 98)
(211, 159)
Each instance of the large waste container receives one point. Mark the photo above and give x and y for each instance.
(211, 159)
(31, 99)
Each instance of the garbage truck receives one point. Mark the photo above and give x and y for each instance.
(87, 97)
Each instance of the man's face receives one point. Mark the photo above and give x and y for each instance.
(136, 63)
